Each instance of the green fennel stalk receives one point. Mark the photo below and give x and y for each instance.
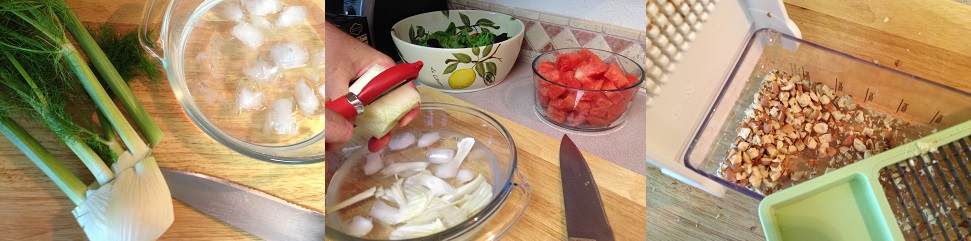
(40, 72)
(109, 73)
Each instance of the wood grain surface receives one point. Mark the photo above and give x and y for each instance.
(33, 208)
(621, 190)
(925, 38)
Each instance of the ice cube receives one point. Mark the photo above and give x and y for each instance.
(291, 16)
(306, 99)
(289, 55)
(261, 71)
(261, 7)
(281, 118)
(249, 35)
(249, 99)
(233, 12)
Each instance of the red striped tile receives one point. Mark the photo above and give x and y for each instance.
(617, 44)
(583, 36)
(547, 48)
(551, 29)
(526, 45)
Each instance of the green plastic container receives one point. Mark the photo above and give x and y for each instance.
(851, 204)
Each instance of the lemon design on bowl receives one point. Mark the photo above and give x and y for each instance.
(461, 79)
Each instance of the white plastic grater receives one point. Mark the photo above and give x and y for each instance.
(684, 81)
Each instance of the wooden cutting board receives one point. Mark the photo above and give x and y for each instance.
(34, 209)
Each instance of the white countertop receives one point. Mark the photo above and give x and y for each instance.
(513, 99)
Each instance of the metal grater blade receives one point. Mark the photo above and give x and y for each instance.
(929, 193)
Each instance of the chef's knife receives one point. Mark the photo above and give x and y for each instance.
(585, 216)
(255, 212)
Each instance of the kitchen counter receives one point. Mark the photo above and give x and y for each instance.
(538, 161)
(927, 39)
(513, 99)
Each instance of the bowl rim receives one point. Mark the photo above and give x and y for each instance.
(640, 68)
(266, 153)
(520, 34)
(487, 212)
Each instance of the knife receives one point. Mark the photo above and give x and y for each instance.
(255, 212)
(585, 216)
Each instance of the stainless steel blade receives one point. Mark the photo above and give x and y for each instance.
(585, 216)
(255, 212)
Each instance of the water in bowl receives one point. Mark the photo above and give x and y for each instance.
(268, 94)
(480, 159)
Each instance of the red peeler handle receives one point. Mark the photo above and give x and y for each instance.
(351, 105)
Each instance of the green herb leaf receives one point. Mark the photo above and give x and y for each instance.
(475, 51)
(465, 19)
(411, 35)
(463, 58)
(485, 22)
(445, 12)
(451, 29)
(421, 32)
(450, 68)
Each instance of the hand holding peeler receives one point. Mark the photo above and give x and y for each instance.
(352, 104)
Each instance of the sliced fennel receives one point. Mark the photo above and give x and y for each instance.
(451, 168)
(417, 203)
(417, 230)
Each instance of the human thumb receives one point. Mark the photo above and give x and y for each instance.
(337, 130)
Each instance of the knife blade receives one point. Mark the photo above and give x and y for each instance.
(585, 215)
(253, 211)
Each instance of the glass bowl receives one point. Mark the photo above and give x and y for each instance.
(259, 98)
(594, 102)
(494, 157)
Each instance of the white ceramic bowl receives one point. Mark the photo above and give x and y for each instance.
(449, 69)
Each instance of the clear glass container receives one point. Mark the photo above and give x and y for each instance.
(585, 109)
(926, 105)
(246, 75)
(511, 193)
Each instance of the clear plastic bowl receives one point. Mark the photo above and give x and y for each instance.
(927, 105)
(585, 109)
(511, 193)
(205, 63)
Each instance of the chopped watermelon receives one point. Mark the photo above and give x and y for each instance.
(570, 80)
(544, 101)
(556, 115)
(548, 70)
(591, 97)
(632, 79)
(616, 76)
(569, 101)
(591, 70)
(596, 84)
(569, 61)
(589, 55)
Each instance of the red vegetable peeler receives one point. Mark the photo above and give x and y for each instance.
(351, 105)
